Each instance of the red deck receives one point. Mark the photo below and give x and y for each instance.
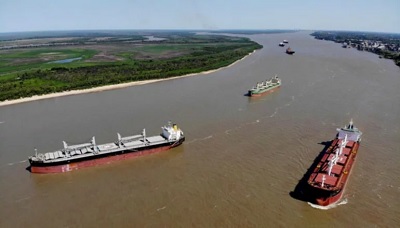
(331, 180)
(341, 161)
(339, 173)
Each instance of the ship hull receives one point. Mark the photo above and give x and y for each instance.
(325, 198)
(122, 155)
(330, 200)
(263, 93)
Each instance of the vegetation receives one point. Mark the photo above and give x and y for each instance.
(28, 72)
(19, 60)
(389, 55)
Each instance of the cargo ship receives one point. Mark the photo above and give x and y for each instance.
(327, 181)
(73, 157)
(267, 86)
(289, 51)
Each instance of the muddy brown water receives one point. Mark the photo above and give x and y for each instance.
(242, 156)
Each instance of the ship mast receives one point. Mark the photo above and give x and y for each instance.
(343, 144)
(323, 180)
(144, 135)
(338, 152)
(351, 124)
(65, 145)
(96, 150)
(333, 161)
(119, 140)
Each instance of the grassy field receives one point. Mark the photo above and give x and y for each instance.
(31, 71)
(29, 59)
(42, 58)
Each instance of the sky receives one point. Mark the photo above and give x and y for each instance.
(48, 15)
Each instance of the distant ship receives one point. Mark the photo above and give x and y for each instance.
(285, 41)
(329, 178)
(268, 86)
(289, 51)
(281, 44)
(73, 157)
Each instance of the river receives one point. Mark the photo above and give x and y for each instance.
(241, 159)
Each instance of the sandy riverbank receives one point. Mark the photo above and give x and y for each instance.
(109, 87)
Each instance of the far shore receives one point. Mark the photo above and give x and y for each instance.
(110, 87)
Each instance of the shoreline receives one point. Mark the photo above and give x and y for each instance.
(111, 87)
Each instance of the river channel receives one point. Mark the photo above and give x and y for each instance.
(242, 156)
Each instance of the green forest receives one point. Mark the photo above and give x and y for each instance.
(177, 55)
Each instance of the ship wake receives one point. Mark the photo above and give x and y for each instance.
(202, 139)
(13, 163)
(19, 162)
(342, 202)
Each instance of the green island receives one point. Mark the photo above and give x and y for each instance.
(49, 63)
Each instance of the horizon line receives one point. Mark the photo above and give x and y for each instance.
(187, 29)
